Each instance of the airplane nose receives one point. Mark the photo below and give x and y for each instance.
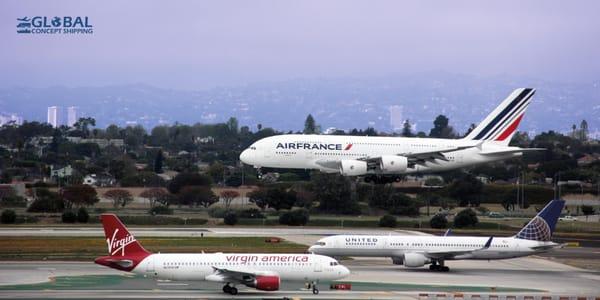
(345, 271)
(245, 157)
(311, 249)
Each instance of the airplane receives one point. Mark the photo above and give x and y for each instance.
(260, 271)
(417, 251)
(383, 159)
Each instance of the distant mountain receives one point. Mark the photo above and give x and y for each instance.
(342, 103)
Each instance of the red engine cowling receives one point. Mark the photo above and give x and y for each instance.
(266, 283)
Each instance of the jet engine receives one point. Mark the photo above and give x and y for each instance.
(393, 164)
(265, 282)
(353, 167)
(415, 260)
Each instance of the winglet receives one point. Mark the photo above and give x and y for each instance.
(488, 243)
(448, 232)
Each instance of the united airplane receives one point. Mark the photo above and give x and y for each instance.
(259, 271)
(417, 251)
(382, 159)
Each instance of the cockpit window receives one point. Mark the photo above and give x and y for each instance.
(333, 263)
(252, 148)
(320, 243)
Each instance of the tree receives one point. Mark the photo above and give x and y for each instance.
(158, 162)
(334, 193)
(69, 217)
(232, 125)
(188, 179)
(273, 197)
(8, 216)
(82, 215)
(83, 125)
(216, 171)
(197, 195)
(296, 217)
(46, 201)
(465, 217)
(227, 196)
(119, 197)
(587, 210)
(407, 129)
(466, 190)
(388, 221)
(310, 126)
(441, 129)
(79, 195)
(155, 195)
(230, 218)
(438, 221)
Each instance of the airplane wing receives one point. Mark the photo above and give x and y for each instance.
(237, 276)
(413, 157)
(548, 247)
(510, 150)
(444, 254)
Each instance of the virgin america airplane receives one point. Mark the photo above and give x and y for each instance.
(382, 159)
(259, 271)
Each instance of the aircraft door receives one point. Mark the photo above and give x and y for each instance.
(150, 267)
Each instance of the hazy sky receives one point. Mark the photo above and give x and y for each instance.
(200, 44)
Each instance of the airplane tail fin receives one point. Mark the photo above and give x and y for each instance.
(124, 251)
(501, 124)
(541, 227)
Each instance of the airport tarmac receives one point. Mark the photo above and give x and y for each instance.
(370, 278)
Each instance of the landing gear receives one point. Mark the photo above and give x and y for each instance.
(313, 285)
(258, 172)
(227, 289)
(438, 267)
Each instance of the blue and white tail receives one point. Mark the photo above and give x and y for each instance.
(501, 124)
(541, 227)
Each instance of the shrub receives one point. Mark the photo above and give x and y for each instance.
(230, 218)
(216, 211)
(69, 217)
(388, 221)
(8, 216)
(465, 217)
(251, 213)
(82, 215)
(46, 201)
(297, 217)
(438, 221)
(160, 210)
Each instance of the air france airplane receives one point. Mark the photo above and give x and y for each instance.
(259, 271)
(417, 251)
(382, 159)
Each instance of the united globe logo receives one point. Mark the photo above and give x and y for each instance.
(54, 25)
(537, 229)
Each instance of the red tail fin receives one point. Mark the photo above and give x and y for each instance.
(124, 251)
(120, 241)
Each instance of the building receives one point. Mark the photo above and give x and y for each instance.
(396, 121)
(53, 116)
(71, 116)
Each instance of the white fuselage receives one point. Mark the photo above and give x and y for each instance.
(324, 152)
(397, 246)
(289, 267)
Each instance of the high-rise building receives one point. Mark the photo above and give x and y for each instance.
(396, 121)
(71, 116)
(53, 116)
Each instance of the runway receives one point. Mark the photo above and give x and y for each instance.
(370, 279)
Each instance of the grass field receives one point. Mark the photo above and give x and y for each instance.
(87, 248)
